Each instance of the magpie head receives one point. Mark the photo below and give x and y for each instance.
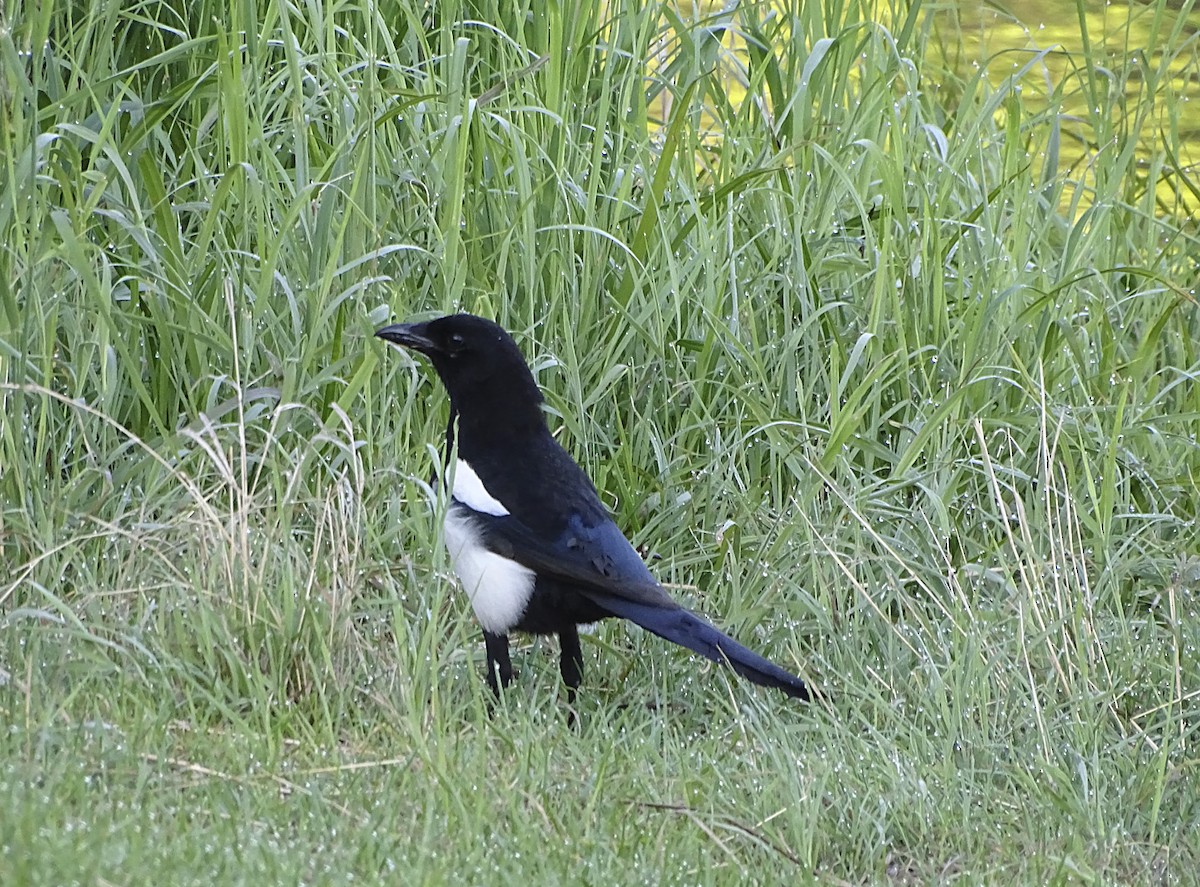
(478, 362)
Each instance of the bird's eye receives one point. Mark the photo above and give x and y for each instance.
(457, 341)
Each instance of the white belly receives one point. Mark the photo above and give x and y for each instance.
(499, 588)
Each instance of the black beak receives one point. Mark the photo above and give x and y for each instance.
(410, 335)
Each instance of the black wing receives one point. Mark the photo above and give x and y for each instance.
(594, 557)
(556, 524)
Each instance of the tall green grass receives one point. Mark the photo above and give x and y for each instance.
(874, 380)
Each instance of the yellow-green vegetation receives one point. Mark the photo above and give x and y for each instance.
(1114, 78)
(883, 386)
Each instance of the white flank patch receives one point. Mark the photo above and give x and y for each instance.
(470, 491)
(499, 589)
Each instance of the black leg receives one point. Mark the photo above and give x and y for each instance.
(498, 664)
(570, 661)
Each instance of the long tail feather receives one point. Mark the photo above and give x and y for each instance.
(689, 630)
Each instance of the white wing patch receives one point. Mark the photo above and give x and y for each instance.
(470, 491)
(499, 588)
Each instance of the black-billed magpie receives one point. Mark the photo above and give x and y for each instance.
(530, 540)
